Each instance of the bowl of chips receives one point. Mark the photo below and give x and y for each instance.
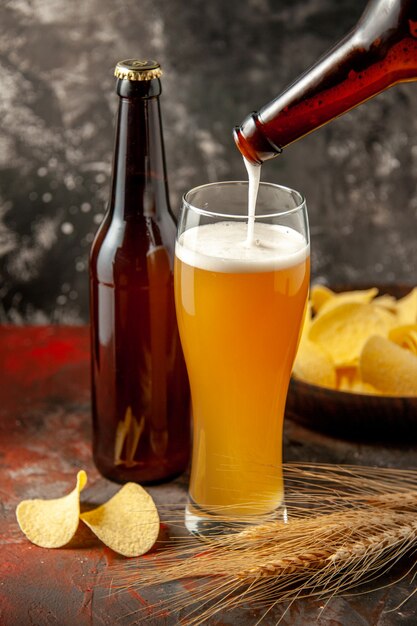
(355, 374)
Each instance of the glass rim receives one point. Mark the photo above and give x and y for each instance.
(189, 205)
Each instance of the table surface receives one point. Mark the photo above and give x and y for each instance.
(45, 439)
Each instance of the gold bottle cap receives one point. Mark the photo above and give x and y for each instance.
(133, 69)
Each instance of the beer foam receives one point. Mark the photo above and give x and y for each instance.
(222, 247)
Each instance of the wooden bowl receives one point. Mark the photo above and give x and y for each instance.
(353, 416)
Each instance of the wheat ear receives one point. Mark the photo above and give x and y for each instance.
(377, 543)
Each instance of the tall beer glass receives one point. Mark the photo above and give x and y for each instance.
(240, 305)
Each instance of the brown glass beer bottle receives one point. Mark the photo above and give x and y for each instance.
(381, 51)
(140, 393)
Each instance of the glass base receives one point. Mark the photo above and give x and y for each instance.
(205, 524)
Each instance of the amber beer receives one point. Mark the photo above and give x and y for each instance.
(239, 311)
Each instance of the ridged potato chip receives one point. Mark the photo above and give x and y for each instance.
(306, 323)
(314, 365)
(52, 523)
(337, 299)
(323, 299)
(346, 377)
(128, 523)
(349, 379)
(319, 295)
(386, 302)
(334, 338)
(405, 336)
(343, 331)
(388, 367)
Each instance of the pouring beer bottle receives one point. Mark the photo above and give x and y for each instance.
(379, 52)
(140, 393)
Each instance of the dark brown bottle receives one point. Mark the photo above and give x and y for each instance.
(381, 51)
(140, 393)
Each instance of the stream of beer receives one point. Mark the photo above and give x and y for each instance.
(254, 176)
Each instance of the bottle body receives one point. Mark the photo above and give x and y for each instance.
(140, 395)
(380, 52)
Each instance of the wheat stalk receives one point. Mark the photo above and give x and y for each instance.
(355, 549)
(364, 522)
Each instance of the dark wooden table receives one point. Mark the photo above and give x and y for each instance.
(45, 440)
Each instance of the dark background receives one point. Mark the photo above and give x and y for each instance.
(221, 60)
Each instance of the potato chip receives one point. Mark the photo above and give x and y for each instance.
(314, 365)
(342, 325)
(405, 336)
(343, 331)
(407, 308)
(319, 296)
(128, 523)
(348, 379)
(52, 523)
(388, 367)
(361, 297)
(387, 302)
(306, 323)
(360, 386)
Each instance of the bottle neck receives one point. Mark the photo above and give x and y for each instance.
(139, 183)
(380, 52)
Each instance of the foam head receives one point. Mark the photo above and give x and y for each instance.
(222, 247)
